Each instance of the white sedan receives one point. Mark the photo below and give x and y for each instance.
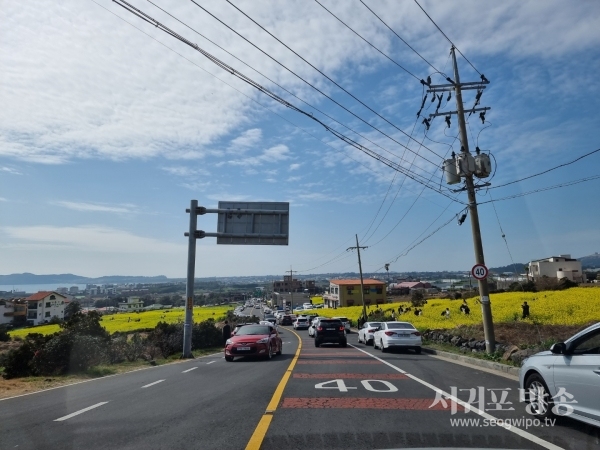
(365, 334)
(397, 334)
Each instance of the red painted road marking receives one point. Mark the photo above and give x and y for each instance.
(358, 376)
(338, 361)
(420, 404)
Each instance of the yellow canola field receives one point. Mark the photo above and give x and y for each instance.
(137, 321)
(575, 306)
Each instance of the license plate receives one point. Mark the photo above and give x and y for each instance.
(243, 349)
(330, 328)
(404, 335)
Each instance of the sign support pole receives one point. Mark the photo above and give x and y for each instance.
(189, 287)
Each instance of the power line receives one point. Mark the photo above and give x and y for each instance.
(548, 188)
(355, 32)
(398, 36)
(504, 237)
(277, 84)
(452, 43)
(549, 170)
(331, 80)
(414, 176)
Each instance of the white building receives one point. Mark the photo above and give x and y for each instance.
(43, 306)
(562, 266)
(7, 310)
(131, 305)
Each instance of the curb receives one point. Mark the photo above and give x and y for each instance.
(492, 365)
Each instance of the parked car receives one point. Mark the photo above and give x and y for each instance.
(397, 334)
(254, 340)
(365, 334)
(330, 331)
(565, 380)
(346, 323)
(301, 323)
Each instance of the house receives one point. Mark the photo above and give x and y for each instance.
(132, 304)
(562, 266)
(347, 293)
(13, 312)
(44, 306)
(406, 287)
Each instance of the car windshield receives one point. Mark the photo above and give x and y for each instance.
(248, 330)
(400, 326)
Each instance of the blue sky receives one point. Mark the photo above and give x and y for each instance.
(106, 134)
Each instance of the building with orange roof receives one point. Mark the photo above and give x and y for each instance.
(44, 305)
(347, 293)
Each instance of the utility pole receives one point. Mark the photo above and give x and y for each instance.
(291, 287)
(464, 161)
(362, 289)
(189, 287)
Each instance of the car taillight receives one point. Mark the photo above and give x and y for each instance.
(416, 333)
(372, 330)
(320, 328)
(342, 328)
(389, 333)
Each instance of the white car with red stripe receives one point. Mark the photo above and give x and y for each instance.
(397, 335)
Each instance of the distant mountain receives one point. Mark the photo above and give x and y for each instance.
(591, 261)
(69, 278)
(511, 268)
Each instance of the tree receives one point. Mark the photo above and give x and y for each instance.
(417, 298)
(72, 308)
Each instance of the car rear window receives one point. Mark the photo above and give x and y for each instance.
(253, 330)
(400, 326)
(330, 322)
(302, 319)
(374, 324)
(343, 319)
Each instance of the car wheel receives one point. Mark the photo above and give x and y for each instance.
(418, 350)
(383, 349)
(317, 343)
(374, 344)
(229, 358)
(538, 396)
(371, 342)
(270, 354)
(280, 350)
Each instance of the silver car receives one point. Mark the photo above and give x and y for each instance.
(565, 380)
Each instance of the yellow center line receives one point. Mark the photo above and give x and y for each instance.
(263, 425)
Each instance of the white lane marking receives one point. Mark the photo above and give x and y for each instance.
(152, 384)
(210, 362)
(81, 411)
(524, 434)
(189, 370)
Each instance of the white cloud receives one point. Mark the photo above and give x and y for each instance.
(10, 170)
(294, 166)
(96, 207)
(246, 140)
(271, 155)
(87, 238)
(184, 171)
(2, 199)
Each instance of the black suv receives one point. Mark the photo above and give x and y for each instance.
(330, 330)
(285, 320)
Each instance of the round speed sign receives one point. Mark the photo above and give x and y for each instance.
(479, 271)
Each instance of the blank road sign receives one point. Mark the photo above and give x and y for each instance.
(264, 223)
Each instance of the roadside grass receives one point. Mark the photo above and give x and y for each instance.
(125, 322)
(496, 357)
(19, 386)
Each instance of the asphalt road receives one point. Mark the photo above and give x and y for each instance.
(379, 402)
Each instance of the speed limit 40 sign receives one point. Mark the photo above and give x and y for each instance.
(479, 271)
